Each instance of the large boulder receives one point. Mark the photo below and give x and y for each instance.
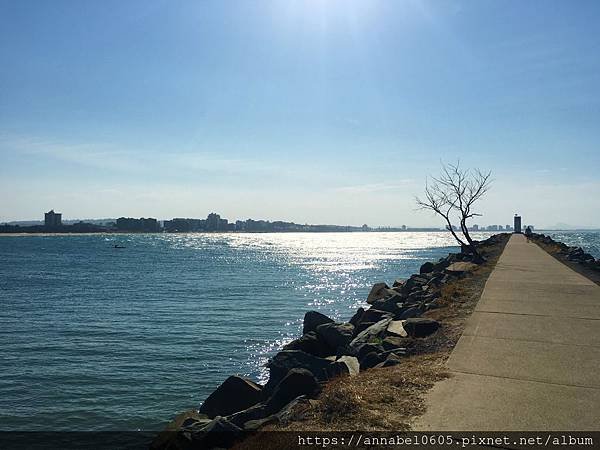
(371, 334)
(220, 433)
(345, 365)
(396, 327)
(335, 335)
(414, 282)
(253, 425)
(395, 344)
(362, 327)
(374, 315)
(391, 360)
(420, 327)
(256, 412)
(365, 349)
(297, 382)
(286, 360)
(399, 282)
(410, 312)
(379, 291)
(427, 267)
(459, 268)
(357, 317)
(235, 394)
(389, 304)
(310, 343)
(370, 360)
(312, 319)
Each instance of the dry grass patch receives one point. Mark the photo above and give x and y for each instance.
(378, 399)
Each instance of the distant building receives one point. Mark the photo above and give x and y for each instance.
(500, 228)
(184, 225)
(52, 219)
(517, 226)
(143, 225)
(403, 227)
(475, 227)
(508, 228)
(213, 222)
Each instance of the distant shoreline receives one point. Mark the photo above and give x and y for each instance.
(113, 233)
(117, 233)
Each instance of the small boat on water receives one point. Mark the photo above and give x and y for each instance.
(119, 246)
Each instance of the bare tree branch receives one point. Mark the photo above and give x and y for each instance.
(456, 191)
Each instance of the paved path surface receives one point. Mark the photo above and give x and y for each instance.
(529, 358)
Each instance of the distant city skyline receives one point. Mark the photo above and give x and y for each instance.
(310, 111)
(52, 219)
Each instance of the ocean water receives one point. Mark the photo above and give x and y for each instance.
(98, 338)
(588, 240)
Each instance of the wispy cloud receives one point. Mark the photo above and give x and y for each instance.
(131, 161)
(375, 187)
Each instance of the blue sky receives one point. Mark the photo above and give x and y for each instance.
(316, 111)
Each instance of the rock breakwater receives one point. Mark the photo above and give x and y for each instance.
(574, 254)
(376, 336)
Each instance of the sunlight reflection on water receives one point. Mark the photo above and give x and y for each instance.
(332, 271)
(155, 327)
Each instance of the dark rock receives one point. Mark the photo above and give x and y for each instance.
(434, 304)
(391, 360)
(345, 365)
(374, 315)
(335, 334)
(398, 283)
(235, 394)
(194, 425)
(357, 317)
(427, 267)
(413, 282)
(379, 291)
(421, 327)
(256, 412)
(365, 349)
(442, 264)
(362, 327)
(253, 425)
(286, 360)
(345, 350)
(410, 312)
(311, 344)
(389, 304)
(431, 296)
(294, 409)
(374, 332)
(370, 360)
(219, 433)
(297, 382)
(391, 343)
(312, 319)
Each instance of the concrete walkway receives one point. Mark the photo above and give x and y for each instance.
(529, 358)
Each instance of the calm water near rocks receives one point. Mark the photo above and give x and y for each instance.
(98, 338)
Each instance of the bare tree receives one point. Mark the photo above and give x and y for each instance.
(453, 195)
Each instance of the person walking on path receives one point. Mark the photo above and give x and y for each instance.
(528, 233)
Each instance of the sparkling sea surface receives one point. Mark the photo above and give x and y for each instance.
(98, 338)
